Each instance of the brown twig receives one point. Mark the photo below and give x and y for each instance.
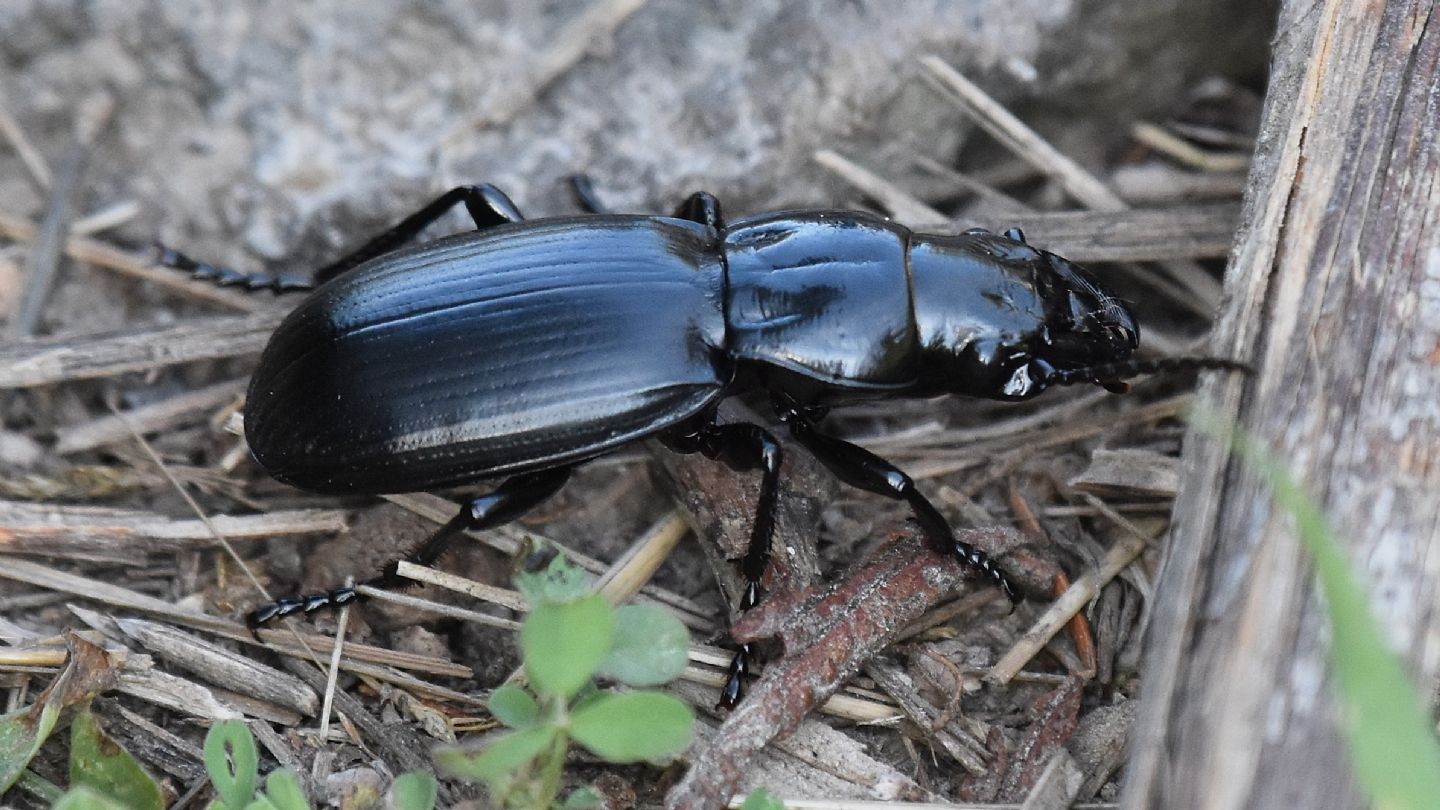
(152, 418)
(1079, 632)
(222, 666)
(114, 595)
(904, 206)
(719, 504)
(34, 162)
(828, 634)
(1026, 519)
(1085, 588)
(62, 358)
(61, 530)
(1010, 131)
(44, 261)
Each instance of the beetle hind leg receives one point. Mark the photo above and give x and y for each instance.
(514, 497)
(488, 206)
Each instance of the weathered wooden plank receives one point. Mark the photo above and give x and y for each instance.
(1334, 296)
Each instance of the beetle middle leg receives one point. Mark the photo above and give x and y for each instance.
(583, 189)
(701, 207)
(863, 469)
(742, 447)
(514, 497)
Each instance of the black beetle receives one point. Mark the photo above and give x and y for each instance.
(526, 347)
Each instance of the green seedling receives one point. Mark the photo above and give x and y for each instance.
(571, 637)
(233, 765)
(760, 799)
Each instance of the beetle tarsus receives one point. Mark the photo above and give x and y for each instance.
(222, 276)
(287, 606)
(734, 687)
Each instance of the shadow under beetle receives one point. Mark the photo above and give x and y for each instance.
(524, 348)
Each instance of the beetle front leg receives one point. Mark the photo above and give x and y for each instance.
(514, 497)
(488, 206)
(742, 447)
(863, 469)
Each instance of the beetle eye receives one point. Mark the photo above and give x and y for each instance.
(1120, 336)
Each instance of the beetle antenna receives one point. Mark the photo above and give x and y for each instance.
(1113, 372)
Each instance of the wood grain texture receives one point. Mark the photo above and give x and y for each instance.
(1334, 296)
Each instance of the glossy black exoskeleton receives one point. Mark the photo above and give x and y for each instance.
(524, 348)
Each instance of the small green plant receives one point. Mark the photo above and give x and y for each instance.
(572, 636)
(760, 799)
(233, 765)
(104, 777)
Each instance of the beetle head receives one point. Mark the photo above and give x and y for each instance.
(999, 319)
(1085, 328)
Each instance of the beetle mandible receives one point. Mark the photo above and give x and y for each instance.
(526, 347)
